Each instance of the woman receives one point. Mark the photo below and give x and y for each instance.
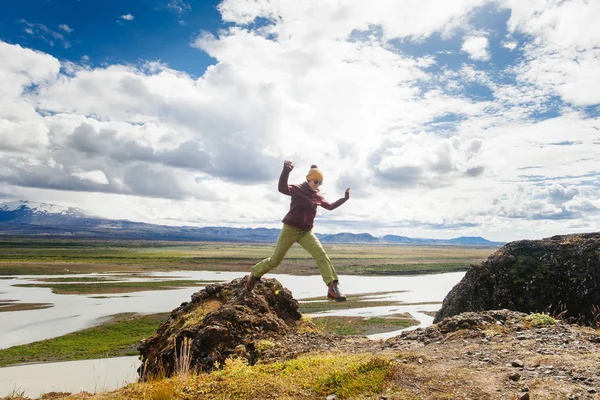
(297, 227)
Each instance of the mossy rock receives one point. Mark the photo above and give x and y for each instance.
(558, 276)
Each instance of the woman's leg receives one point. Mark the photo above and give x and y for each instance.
(312, 244)
(287, 237)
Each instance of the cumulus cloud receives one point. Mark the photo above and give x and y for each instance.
(93, 176)
(310, 19)
(563, 57)
(424, 145)
(107, 144)
(66, 171)
(582, 205)
(140, 179)
(222, 132)
(554, 202)
(476, 47)
(425, 160)
(559, 195)
(127, 17)
(21, 127)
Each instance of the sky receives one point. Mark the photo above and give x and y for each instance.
(445, 118)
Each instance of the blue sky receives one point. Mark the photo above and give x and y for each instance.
(157, 31)
(470, 117)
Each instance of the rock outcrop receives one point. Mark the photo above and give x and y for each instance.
(559, 275)
(225, 320)
(220, 320)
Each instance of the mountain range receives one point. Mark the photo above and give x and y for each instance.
(25, 218)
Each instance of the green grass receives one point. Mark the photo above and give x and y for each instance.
(363, 326)
(20, 256)
(352, 376)
(122, 336)
(6, 306)
(114, 287)
(80, 279)
(311, 376)
(430, 313)
(405, 269)
(319, 304)
(114, 339)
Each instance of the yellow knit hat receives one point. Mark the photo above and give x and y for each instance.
(314, 174)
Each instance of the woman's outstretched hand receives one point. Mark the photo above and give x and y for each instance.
(287, 165)
(347, 194)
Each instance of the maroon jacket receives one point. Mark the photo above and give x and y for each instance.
(303, 207)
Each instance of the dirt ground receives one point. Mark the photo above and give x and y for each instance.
(500, 355)
(486, 355)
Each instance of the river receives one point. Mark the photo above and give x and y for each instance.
(75, 312)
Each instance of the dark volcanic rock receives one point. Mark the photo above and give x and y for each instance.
(221, 320)
(470, 321)
(559, 275)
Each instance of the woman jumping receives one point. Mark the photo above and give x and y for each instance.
(297, 227)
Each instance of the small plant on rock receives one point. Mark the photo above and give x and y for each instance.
(540, 319)
(306, 325)
(264, 345)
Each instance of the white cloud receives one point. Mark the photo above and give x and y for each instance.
(179, 6)
(555, 202)
(557, 24)
(582, 204)
(569, 73)
(21, 127)
(94, 176)
(427, 160)
(510, 45)
(307, 20)
(41, 31)
(322, 83)
(563, 56)
(127, 17)
(65, 28)
(476, 47)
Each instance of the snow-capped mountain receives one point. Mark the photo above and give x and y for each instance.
(41, 213)
(27, 218)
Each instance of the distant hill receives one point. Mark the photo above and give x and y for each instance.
(26, 218)
(470, 240)
(349, 238)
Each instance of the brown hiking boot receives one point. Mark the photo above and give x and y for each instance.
(333, 292)
(251, 281)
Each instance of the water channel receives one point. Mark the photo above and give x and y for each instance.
(75, 312)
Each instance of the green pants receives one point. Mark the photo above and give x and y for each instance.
(288, 236)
